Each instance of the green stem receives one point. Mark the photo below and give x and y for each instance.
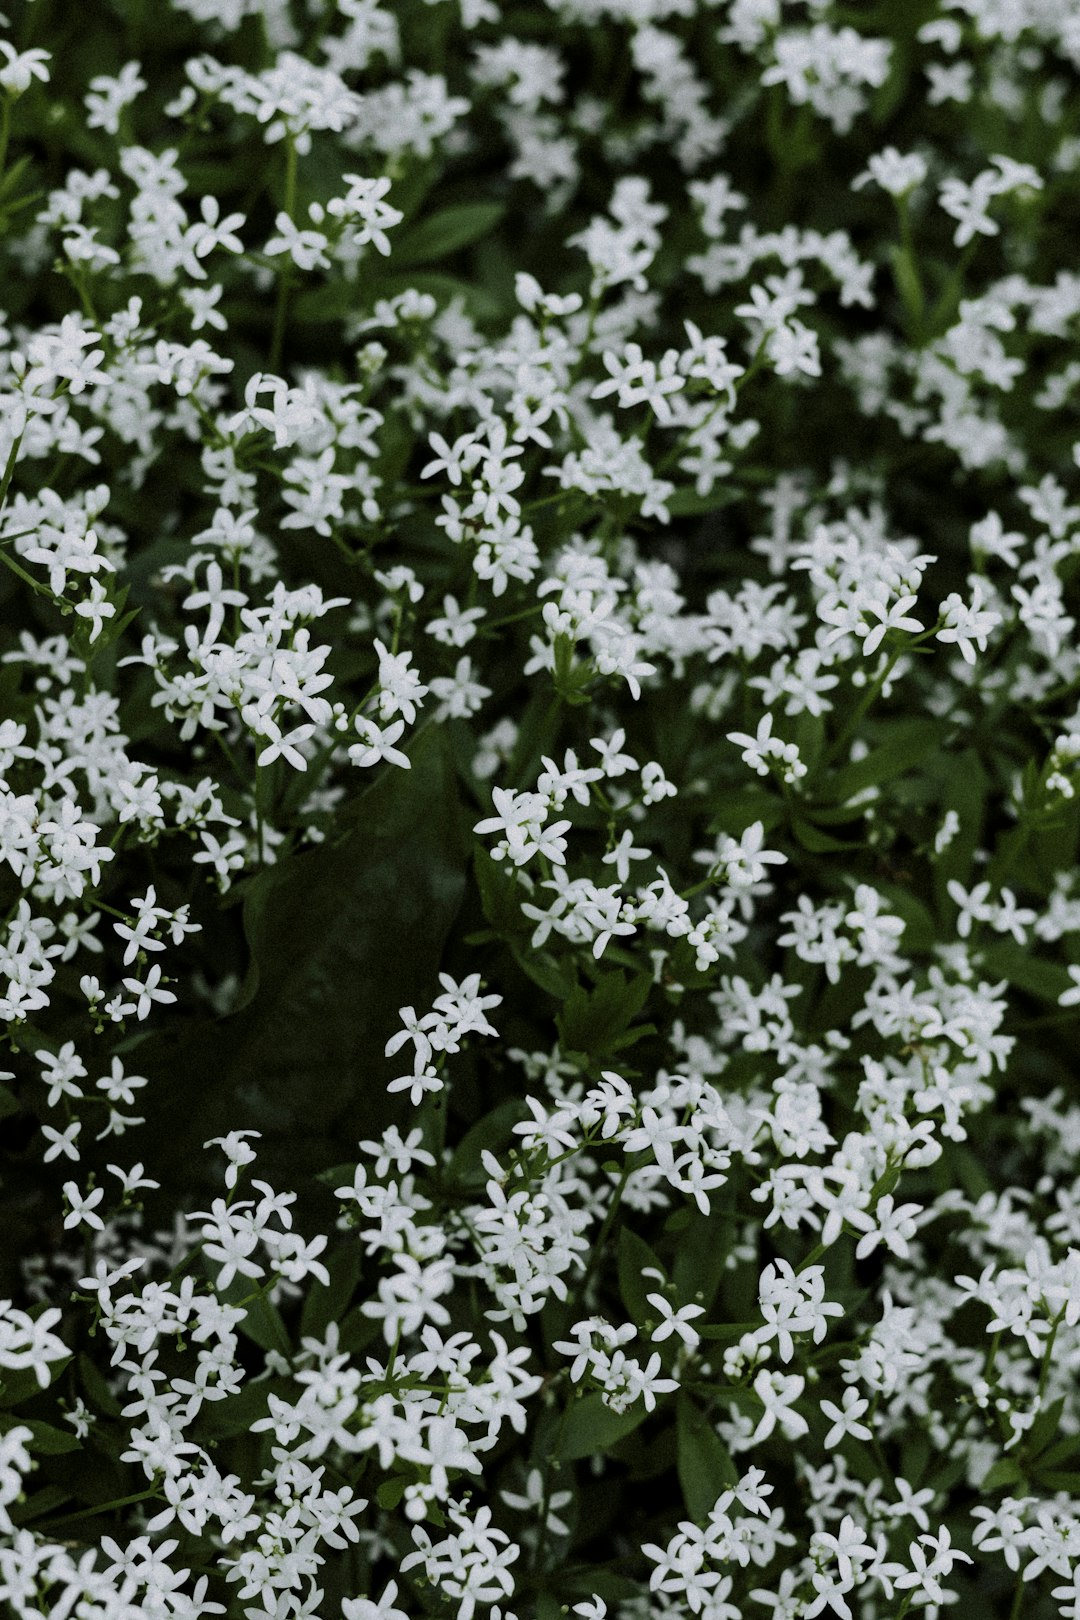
(5, 482)
(35, 584)
(549, 1469)
(815, 1254)
(866, 702)
(1048, 1354)
(282, 305)
(605, 1230)
(107, 1507)
(260, 779)
(5, 131)
(1018, 1598)
(906, 275)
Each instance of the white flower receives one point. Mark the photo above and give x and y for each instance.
(1071, 997)
(778, 1392)
(675, 1321)
(21, 68)
(845, 1418)
(148, 990)
(968, 624)
(81, 1209)
(896, 172)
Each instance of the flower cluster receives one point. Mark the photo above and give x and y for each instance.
(539, 815)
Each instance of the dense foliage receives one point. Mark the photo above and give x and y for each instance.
(539, 732)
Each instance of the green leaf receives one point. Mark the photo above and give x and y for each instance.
(1006, 1471)
(816, 841)
(954, 1467)
(591, 1428)
(96, 1386)
(325, 1304)
(919, 934)
(964, 787)
(908, 285)
(738, 808)
(499, 894)
(224, 1420)
(723, 1331)
(688, 503)
(1061, 1451)
(635, 1258)
(704, 1247)
(543, 970)
(900, 745)
(391, 1491)
(593, 1021)
(46, 1440)
(19, 1385)
(340, 938)
(42, 1502)
(1014, 962)
(704, 1462)
(14, 175)
(1006, 859)
(608, 1583)
(264, 1327)
(1046, 1427)
(489, 1134)
(446, 232)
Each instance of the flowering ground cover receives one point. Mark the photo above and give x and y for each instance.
(539, 743)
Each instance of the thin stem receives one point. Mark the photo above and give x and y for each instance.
(260, 778)
(605, 1230)
(1018, 1598)
(106, 1507)
(549, 1470)
(869, 697)
(5, 482)
(1048, 1354)
(5, 131)
(282, 305)
(35, 584)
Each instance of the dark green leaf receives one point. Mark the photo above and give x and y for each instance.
(703, 1251)
(592, 1021)
(391, 1491)
(1017, 964)
(591, 1428)
(96, 1387)
(42, 1502)
(704, 1462)
(635, 1258)
(340, 938)
(498, 892)
(445, 232)
(816, 841)
(900, 745)
(46, 1440)
(1046, 1427)
(323, 1304)
(19, 1385)
(493, 1132)
(1006, 1471)
(263, 1325)
(735, 809)
(223, 1420)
